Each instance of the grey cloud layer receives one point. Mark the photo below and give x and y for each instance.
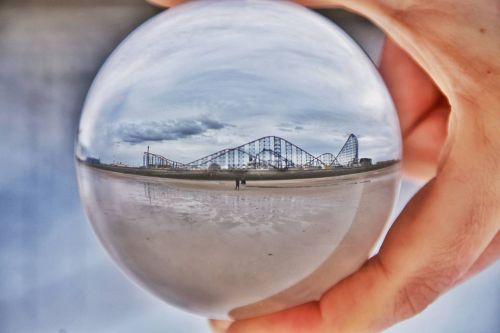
(141, 132)
(266, 67)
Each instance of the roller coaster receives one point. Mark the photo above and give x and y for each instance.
(269, 152)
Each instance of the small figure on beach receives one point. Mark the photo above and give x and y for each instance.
(237, 184)
(243, 181)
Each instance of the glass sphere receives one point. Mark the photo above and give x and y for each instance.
(238, 158)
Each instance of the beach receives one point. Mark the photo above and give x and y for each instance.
(208, 248)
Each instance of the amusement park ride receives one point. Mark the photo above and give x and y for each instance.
(269, 152)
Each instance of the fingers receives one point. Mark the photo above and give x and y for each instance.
(165, 3)
(413, 91)
(305, 318)
(422, 109)
(314, 3)
(487, 258)
(422, 146)
(219, 326)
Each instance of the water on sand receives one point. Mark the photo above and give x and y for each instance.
(211, 249)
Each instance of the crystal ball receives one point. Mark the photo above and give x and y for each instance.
(238, 157)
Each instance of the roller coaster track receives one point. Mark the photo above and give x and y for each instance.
(269, 152)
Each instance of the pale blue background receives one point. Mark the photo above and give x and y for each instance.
(54, 276)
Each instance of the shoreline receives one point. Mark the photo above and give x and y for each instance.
(249, 175)
(364, 176)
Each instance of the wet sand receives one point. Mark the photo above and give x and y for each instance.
(222, 253)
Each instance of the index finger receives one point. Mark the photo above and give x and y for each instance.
(165, 3)
(308, 3)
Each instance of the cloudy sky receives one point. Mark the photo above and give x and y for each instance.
(216, 74)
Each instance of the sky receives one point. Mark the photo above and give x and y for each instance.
(216, 74)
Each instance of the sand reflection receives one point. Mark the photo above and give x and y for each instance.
(205, 247)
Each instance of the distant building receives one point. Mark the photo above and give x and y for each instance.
(92, 160)
(366, 162)
(214, 167)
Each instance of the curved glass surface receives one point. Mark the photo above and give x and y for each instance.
(238, 157)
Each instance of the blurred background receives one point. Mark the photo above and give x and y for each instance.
(54, 275)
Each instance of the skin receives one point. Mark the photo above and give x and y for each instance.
(440, 63)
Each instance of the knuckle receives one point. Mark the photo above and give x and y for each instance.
(421, 290)
(415, 297)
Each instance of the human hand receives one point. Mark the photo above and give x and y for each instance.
(450, 229)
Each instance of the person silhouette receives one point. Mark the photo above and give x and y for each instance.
(237, 184)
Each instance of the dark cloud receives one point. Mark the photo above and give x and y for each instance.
(165, 130)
